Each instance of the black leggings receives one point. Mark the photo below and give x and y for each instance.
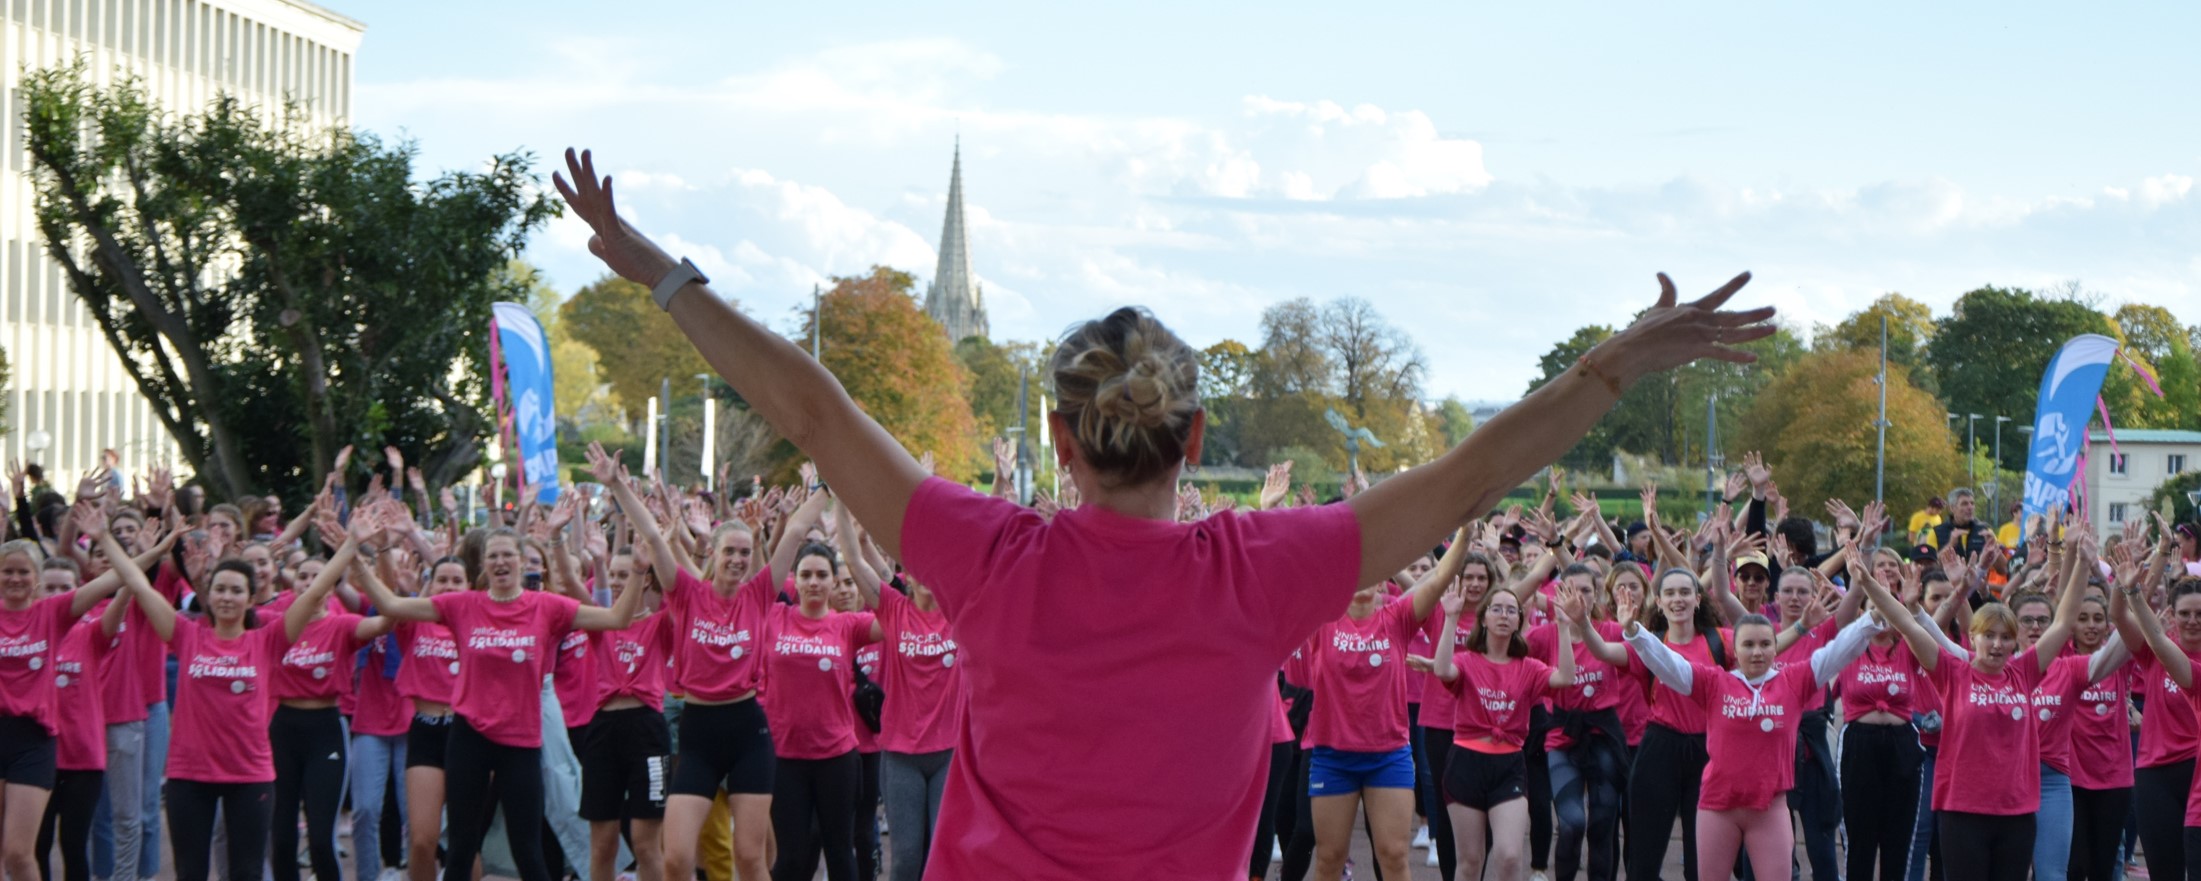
(820, 791)
(867, 816)
(75, 794)
(1587, 803)
(2097, 827)
(244, 810)
(309, 751)
(1669, 769)
(1436, 743)
(2159, 799)
(1986, 847)
(1881, 765)
(1539, 791)
(1274, 807)
(470, 762)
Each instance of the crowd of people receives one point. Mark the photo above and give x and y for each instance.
(1134, 680)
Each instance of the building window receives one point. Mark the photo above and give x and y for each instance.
(2116, 463)
(2116, 512)
(2177, 464)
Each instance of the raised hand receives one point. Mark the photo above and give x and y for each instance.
(343, 458)
(1004, 459)
(927, 462)
(1650, 501)
(628, 253)
(601, 465)
(1736, 480)
(1572, 609)
(1453, 601)
(1306, 497)
(1277, 485)
(1673, 333)
(94, 484)
(1753, 468)
(396, 461)
(91, 519)
(160, 488)
(809, 473)
(418, 483)
(1627, 602)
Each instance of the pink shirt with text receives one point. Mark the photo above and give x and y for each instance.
(2054, 699)
(1884, 679)
(867, 663)
(2168, 730)
(1147, 649)
(2101, 734)
(1750, 734)
(430, 671)
(222, 703)
(807, 680)
(78, 660)
(318, 664)
(1668, 708)
(576, 677)
(634, 661)
(1360, 680)
(718, 639)
(1436, 702)
(1990, 737)
(378, 708)
(1491, 701)
(924, 688)
(505, 650)
(1597, 686)
(27, 639)
(119, 699)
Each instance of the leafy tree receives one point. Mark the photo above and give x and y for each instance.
(998, 372)
(637, 345)
(1814, 424)
(277, 292)
(2154, 336)
(1910, 326)
(1340, 356)
(2171, 496)
(1663, 416)
(898, 366)
(1458, 420)
(1988, 354)
(1226, 373)
(1598, 445)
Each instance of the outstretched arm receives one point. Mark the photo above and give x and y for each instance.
(2138, 625)
(793, 392)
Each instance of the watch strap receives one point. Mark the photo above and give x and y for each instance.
(673, 281)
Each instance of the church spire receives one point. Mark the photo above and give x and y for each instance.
(954, 298)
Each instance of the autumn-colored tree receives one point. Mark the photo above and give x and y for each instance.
(1910, 328)
(898, 366)
(1663, 415)
(1987, 356)
(637, 345)
(2153, 335)
(1814, 424)
(1226, 371)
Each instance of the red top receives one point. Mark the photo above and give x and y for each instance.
(222, 703)
(27, 640)
(1147, 649)
(1883, 679)
(505, 651)
(319, 662)
(923, 685)
(1990, 742)
(717, 638)
(430, 671)
(1667, 708)
(80, 661)
(1597, 685)
(633, 661)
(1360, 681)
(1492, 701)
(808, 664)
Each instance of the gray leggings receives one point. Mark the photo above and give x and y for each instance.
(910, 783)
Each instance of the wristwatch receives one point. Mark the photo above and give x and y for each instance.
(673, 281)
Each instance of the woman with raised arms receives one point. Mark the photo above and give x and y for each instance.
(1170, 712)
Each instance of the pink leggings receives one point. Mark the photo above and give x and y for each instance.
(1720, 834)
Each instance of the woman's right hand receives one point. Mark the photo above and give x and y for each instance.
(1673, 333)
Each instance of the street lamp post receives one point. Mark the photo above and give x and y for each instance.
(707, 461)
(1971, 449)
(1995, 482)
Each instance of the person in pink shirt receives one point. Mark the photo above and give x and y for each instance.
(31, 627)
(2140, 628)
(1586, 748)
(1494, 683)
(1984, 796)
(718, 622)
(428, 675)
(1476, 574)
(2168, 734)
(79, 662)
(306, 730)
(1165, 706)
(1881, 758)
(846, 598)
(506, 635)
(626, 749)
(2100, 741)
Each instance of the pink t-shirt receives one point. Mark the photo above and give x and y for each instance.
(430, 671)
(1597, 686)
(1884, 679)
(577, 677)
(1799, 652)
(1492, 701)
(119, 700)
(1360, 681)
(378, 708)
(319, 662)
(1147, 649)
(1750, 734)
(1667, 708)
(1425, 645)
(1635, 709)
(1990, 739)
(717, 638)
(867, 662)
(1436, 703)
(222, 703)
(79, 659)
(505, 650)
(2168, 730)
(27, 640)
(633, 661)
(924, 688)
(808, 678)
(2101, 734)
(1280, 722)
(2054, 697)
(151, 653)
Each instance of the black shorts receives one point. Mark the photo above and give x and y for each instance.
(426, 740)
(26, 753)
(624, 756)
(1480, 781)
(724, 746)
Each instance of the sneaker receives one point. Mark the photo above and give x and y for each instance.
(1421, 838)
(390, 873)
(1432, 860)
(1346, 875)
(1538, 875)
(1276, 853)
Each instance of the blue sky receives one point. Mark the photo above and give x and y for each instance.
(1490, 175)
